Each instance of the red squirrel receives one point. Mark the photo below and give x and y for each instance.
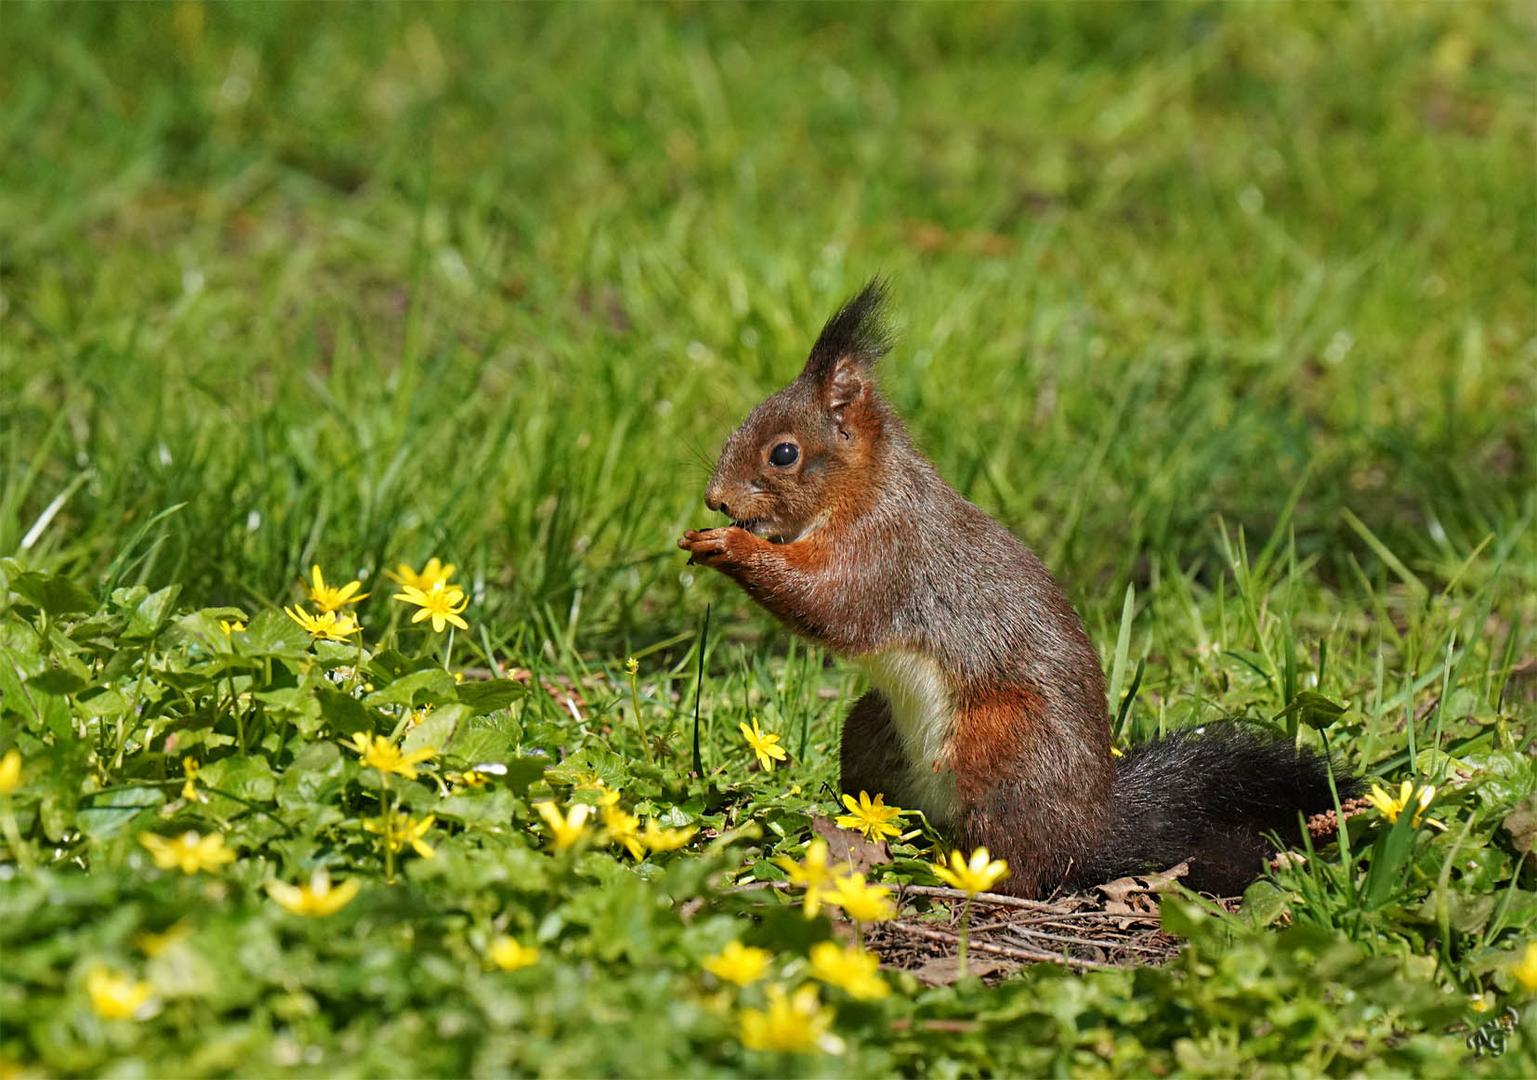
(987, 705)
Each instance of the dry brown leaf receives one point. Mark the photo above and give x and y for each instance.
(1521, 823)
(845, 846)
(944, 970)
(1137, 894)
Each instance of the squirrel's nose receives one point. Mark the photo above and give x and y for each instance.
(715, 495)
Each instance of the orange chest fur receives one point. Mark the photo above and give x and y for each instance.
(957, 746)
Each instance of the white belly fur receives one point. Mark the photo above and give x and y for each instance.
(923, 712)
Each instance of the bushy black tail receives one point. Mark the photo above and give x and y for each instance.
(1210, 795)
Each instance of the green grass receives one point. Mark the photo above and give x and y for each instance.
(1228, 310)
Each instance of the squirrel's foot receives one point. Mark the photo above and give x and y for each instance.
(719, 548)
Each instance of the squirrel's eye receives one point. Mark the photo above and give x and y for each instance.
(784, 455)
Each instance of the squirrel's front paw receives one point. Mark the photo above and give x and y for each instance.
(714, 547)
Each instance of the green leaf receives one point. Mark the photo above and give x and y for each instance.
(431, 687)
(1390, 863)
(489, 807)
(523, 772)
(272, 633)
(345, 713)
(477, 744)
(59, 680)
(151, 614)
(55, 595)
(203, 626)
(437, 729)
(1122, 649)
(108, 703)
(245, 778)
(109, 812)
(1313, 709)
(490, 695)
(127, 598)
(315, 772)
(1263, 904)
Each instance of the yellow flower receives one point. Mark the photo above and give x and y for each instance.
(328, 626)
(509, 954)
(317, 897)
(798, 1023)
(659, 839)
(623, 827)
(231, 626)
(442, 605)
(814, 874)
(115, 996)
(861, 901)
(977, 876)
(632, 665)
(152, 944)
(10, 771)
(738, 963)
(852, 970)
(470, 778)
(189, 852)
(190, 766)
(432, 576)
(1525, 969)
(1390, 808)
(871, 818)
(765, 745)
(400, 830)
(379, 753)
(329, 597)
(587, 781)
(565, 829)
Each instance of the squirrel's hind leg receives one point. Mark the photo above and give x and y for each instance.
(871, 757)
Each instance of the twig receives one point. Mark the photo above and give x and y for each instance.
(1006, 950)
(955, 1027)
(991, 926)
(1101, 943)
(996, 899)
(1116, 916)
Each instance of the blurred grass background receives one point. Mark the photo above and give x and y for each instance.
(1229, 310)
(356, 286)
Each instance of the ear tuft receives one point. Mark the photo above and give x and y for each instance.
(857, 334)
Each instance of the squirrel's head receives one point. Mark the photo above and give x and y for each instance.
(809, 447)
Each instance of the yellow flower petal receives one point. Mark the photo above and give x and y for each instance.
(10, 771)
(442, 604)
(872, 818)
(329, 598)
(739, 964)
(114, 995)
(189, 852)
(859, 900)
(318, 897)
(977, 875)
(764, 744)
(851, 969)
(510, 955)
(794, 1023)
(1524, 971)
(565, 829)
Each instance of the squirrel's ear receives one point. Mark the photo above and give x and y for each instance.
(848, 347)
